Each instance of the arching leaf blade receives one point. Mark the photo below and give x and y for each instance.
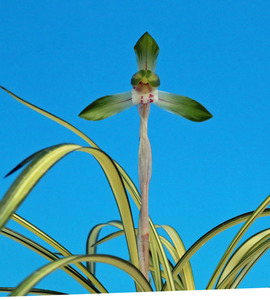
(255, 253)
(52, 117)
(243, 251)
(91, 243)
(38, 292)
(25, 182)
(208, 236)
(44, 161)
(50, 256)
(235, 241)
(186, 273)
(120, 195)
(245, 270)
(33, 279)
(62, 250)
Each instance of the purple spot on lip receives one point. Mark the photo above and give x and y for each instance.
(150, 95)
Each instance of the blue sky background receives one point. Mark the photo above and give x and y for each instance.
(62, 55)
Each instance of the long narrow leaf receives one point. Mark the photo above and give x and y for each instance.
(52, 117)
(63, 251)
(91, 244)
(186, 273)
(245, 271)
(29, 177)
(50, 256)
(235, 241)
(156, 273)
(34, 278)
(154, 269)
(121, 198)
(45, 160)
(208, 236)
(170, 248)
(128, 182)
(254, 254)
(39, 292)
(23, 163)
(243, 251)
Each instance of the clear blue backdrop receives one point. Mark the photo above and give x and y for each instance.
(62, 55)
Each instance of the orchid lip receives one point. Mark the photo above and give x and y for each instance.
(141, 97)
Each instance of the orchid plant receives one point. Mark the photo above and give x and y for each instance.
(145, 91)
(169, 261)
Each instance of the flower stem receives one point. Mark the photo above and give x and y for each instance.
(145, 171)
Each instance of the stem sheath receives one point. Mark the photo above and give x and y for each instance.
(145, 172)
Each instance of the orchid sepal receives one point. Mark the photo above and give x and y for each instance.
(146, 50)
(107, 106)
(183, 106)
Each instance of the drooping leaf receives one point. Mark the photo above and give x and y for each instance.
(52, 117)
(208, 236)
(120, 195)
(44, 161)
(240, 254)
(146, 50)
(39, 292)
(236, 240)
(29, 177)
(247, 254)
(50, 256)
(22, 164)
(252, 256)
(62, 250)
(182, 106)
(24, 287)
(91, 244)
(107, 106)
(186, 273)
(246, 269)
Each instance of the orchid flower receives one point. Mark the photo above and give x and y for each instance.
(145, 85)
(145, 92)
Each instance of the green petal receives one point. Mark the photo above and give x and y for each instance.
(152, 78)
(107, 106)
(145, 76)
(183, 106)
(137, 77)
(146, 51)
